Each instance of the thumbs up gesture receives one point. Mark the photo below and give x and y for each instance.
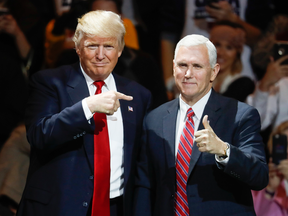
(208, 141)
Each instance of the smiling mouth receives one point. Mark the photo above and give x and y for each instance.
(189, 83)
(100, 64)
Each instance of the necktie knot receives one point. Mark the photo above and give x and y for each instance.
(190, 113)
(98, 85)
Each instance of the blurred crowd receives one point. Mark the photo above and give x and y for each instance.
(251, 38)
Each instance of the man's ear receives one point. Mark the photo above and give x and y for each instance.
(119, 53)
(215, 72)
(77, 51)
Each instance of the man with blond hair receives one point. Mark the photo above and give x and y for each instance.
(83, 124)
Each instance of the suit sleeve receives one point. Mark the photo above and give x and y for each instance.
(49, 121)
(247, 160)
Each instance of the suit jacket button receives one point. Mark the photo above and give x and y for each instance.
(91, 177)
(172, 195)
(85, 204)
(75, 137)
(84, 132)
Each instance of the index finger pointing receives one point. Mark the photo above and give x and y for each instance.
(123, 96)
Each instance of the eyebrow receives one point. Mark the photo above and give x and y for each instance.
(89, 43)
(193, 64)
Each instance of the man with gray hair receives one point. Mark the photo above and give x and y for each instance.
(84, 124)
(201, 154)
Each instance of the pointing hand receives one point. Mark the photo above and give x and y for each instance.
(107, 102)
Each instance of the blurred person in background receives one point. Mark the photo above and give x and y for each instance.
(21, 55)
(14, 163)
(200, 17)
(229, 39)
(273, 200)
(270, 95)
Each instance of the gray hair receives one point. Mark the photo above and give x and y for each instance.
(194, 40)
(100, 23)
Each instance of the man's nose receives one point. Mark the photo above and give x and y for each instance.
(189, 72)
(100, 52)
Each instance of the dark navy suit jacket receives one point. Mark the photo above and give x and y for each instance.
(212, 189)
(60, 178)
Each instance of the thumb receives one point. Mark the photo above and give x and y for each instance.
(206, 122)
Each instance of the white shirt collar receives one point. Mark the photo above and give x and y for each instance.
(198, 107)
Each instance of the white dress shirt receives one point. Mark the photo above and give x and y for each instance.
(198, 109)
(116, 138)
(271, 107)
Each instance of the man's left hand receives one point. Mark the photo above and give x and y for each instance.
(208, 141)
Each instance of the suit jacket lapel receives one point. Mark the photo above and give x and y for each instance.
(76, 84)
(77, 90)
(169, 128)
(212, 110)
(128, 111)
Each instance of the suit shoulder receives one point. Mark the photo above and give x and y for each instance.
(164, 109)
(242, 107)
(232, 105)
(130, 84)
(62, 71)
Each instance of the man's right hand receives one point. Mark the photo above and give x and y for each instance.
(107, 102)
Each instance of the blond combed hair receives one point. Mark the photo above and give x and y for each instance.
(104, 24)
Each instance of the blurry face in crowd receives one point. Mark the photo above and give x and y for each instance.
(228, 42)
(193, 73)
(98, 56)
(226, 55)
(105, 5)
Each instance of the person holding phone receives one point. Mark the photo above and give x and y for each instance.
(21, 42)
(270, 95)
(273, 200)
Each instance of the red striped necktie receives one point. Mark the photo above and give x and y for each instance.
(182, 165)
(101, 193)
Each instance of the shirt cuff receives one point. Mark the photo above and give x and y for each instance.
(221, 160)
(87, 112)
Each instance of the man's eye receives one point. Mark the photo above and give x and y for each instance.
(92, 47)
(196, 66)
(109, 47)
(182, 65)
